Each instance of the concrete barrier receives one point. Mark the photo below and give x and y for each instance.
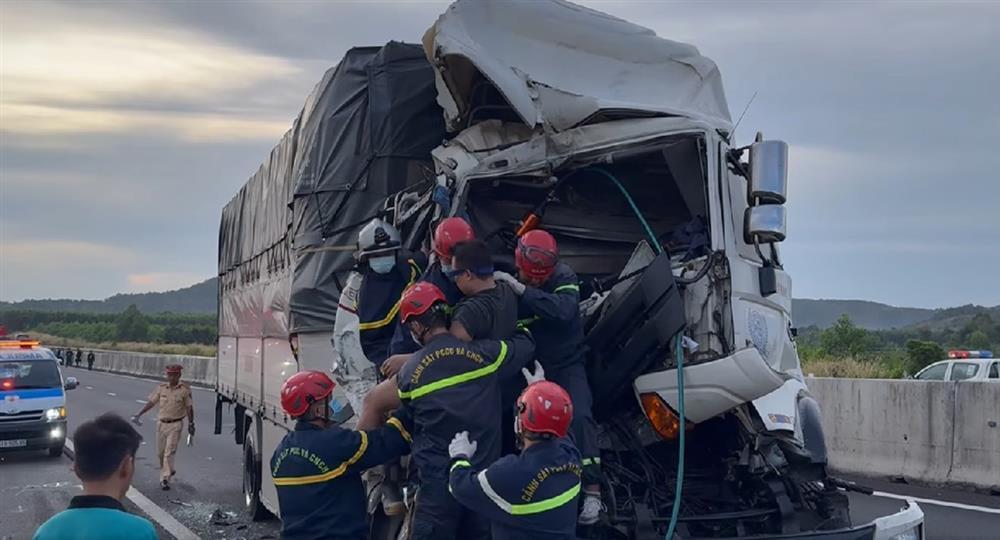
(198, 370)
(924, 431)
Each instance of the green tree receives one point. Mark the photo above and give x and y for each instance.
(920, 354)
(132, 325)
(845, 339)
(979, 340)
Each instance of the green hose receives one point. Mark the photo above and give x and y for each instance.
(679, 484)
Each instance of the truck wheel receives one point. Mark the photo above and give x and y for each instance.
(56, 451)
(251, 480)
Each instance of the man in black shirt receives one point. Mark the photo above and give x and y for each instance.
(489, 308)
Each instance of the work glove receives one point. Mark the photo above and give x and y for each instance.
(191, 429)
(461, 447)
(531, 378)
(509, 280)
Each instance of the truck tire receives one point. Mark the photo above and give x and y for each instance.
(251, 476)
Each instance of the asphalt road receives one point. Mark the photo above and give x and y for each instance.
(209, 477)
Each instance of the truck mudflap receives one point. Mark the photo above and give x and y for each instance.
(907, 524)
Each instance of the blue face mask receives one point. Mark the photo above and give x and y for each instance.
(382, 265)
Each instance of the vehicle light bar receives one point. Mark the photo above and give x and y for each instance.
(970, 354)
(18, 344)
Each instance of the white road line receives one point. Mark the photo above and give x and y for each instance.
(112, 394)
(89, 387)
(159, 515)
(960, 506)
(142, 401)
(157, 381)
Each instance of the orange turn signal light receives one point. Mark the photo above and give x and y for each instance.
(663, 419)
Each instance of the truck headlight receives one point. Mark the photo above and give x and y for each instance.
(912, 534)
(55, 413)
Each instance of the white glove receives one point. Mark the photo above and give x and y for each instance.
(531, 378)
(509, 280)
(461, 447)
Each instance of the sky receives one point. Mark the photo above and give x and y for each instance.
(125, 127)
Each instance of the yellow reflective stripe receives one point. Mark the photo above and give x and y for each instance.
(459, 463)
(329, 475)
(568, 287)
(591, 461)
(394, 422)
(414, 273)
(456, 379)
(527, 508)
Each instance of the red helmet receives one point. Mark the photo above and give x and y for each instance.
(303, 389)
(418, 298)
(450, 232)
(544, 407)
(536, 254)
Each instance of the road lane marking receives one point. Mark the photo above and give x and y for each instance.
(90, 387)
(169, 523)
(112, 394)
(141, 401)
(960, 506)
(157, 381)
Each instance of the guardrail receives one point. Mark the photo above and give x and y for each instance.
(198, 370)
(925, 431)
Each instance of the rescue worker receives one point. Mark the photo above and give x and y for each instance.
(317, 467)
(450, 232)
(549, 303)
(386, 275)
(175, 401)
(90, 360)
(533, 495)
(449, 386)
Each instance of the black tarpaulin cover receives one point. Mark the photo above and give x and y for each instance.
(365, 132)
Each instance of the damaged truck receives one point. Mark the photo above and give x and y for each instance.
(620, 144)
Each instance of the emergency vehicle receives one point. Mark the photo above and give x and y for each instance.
(32, 397)
(963, 366)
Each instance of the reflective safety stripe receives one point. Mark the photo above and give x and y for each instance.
(527, 508)
(590, 461)
(568, 287)
(447, 382)
(391, 316)
(329, 475)
(394, 422)
(459, 463)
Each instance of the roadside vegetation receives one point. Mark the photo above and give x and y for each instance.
(130, 330)
(846, 350)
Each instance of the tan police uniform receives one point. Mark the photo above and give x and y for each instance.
(174, 403)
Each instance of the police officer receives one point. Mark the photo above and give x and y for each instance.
(549, 303)
(79, 357)
(316, 468)
(449, 233)
(175, 401)
(385, 278)
(90, 360)
(448, 386)
(532, 495)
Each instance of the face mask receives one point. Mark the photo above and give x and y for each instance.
(382, 265)
(446, 270)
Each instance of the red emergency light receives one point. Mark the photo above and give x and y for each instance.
(18, 344)
(970, 354)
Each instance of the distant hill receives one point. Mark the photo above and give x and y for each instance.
(868, 315)
(199, 298)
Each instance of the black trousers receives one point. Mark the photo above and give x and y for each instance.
(438, 516)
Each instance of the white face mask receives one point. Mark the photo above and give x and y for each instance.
(446, 270)
(382, 265)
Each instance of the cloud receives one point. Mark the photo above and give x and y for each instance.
(66, 71)
(60, 268)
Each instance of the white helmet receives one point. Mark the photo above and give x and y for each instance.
(377, 238)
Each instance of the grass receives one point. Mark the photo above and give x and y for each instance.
(193, 349)
(850, 368)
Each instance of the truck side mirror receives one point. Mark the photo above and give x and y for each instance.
(768, 172)
(764, 224)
